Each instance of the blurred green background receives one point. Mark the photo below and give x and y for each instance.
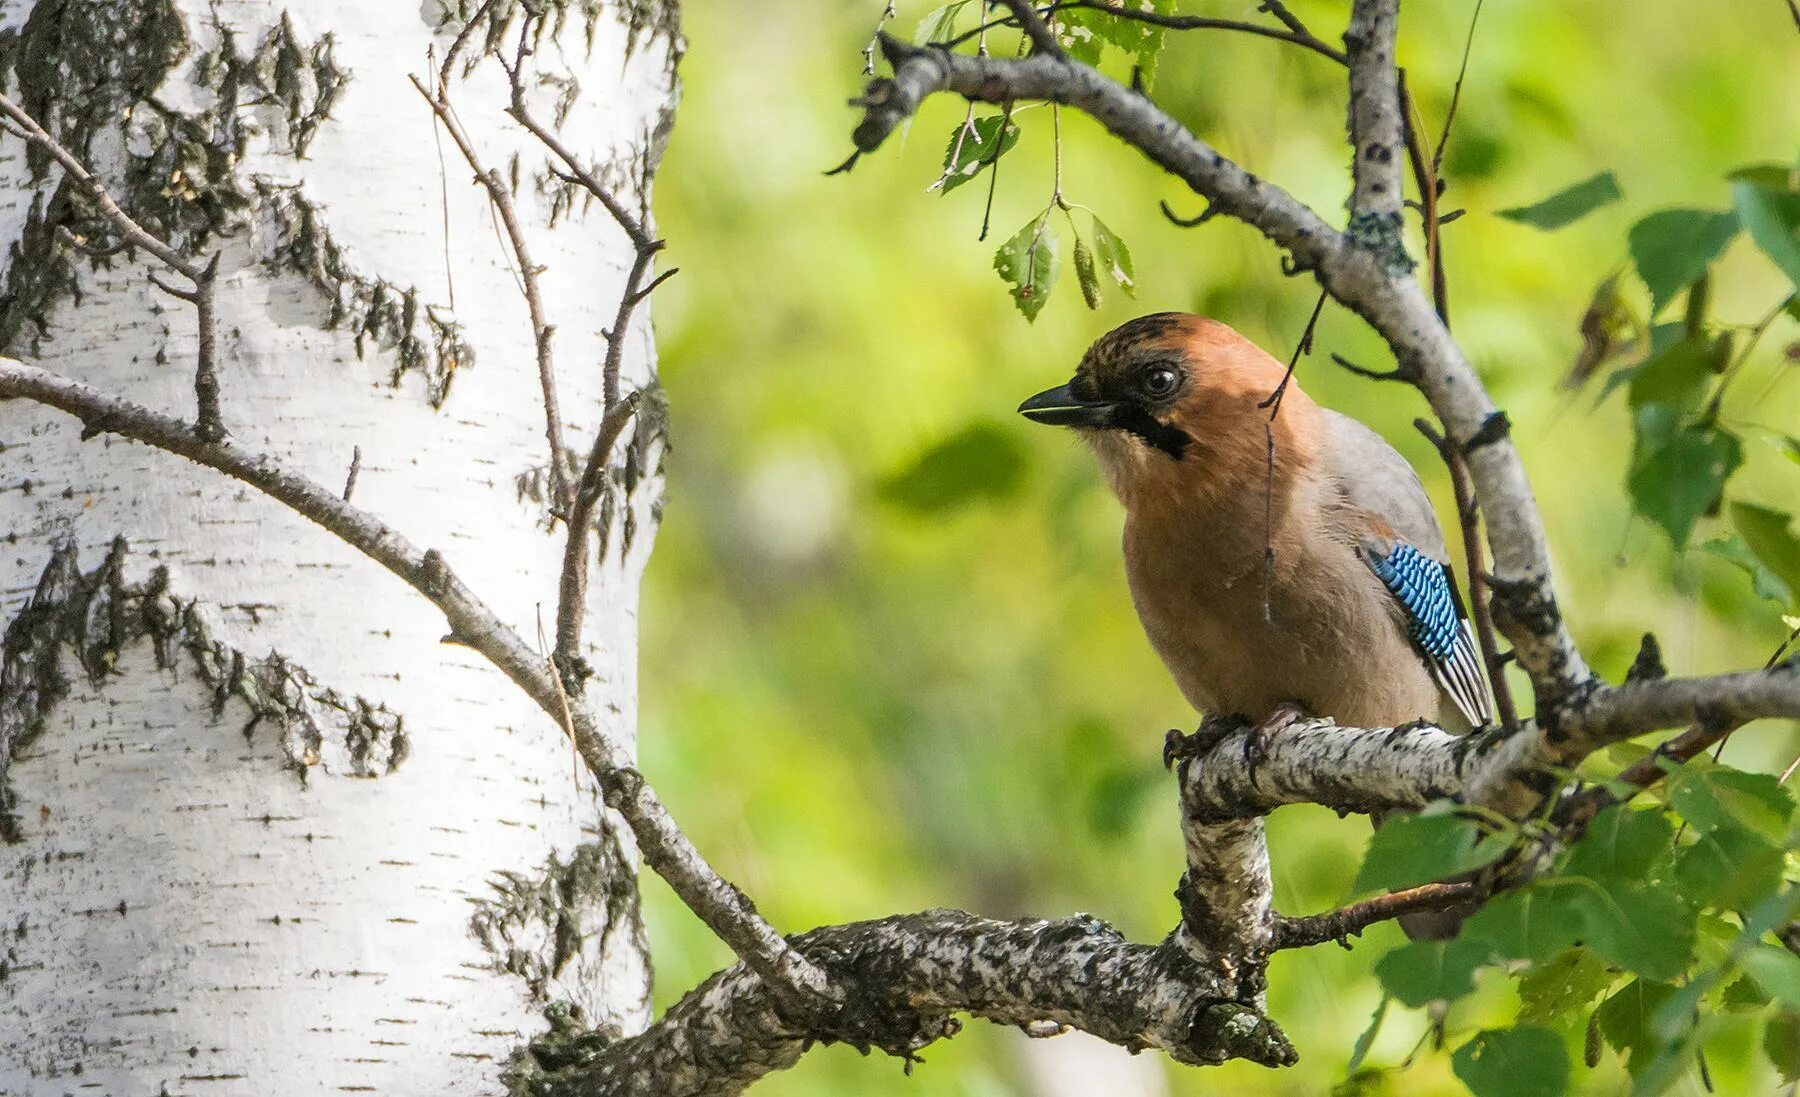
(889, 661)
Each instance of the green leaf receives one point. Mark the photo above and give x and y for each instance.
(1117, 799)
(1563, 986)
(1114, 257)
(1568, 205)
(1518, 1062)
(1084, 274)
(1417, 849)
(1621, 843)
(1628, 1020)
(1781, 1043)
(1644, 928)
(1715, 797)
(1776, 971)
(1672, 249)
(939, 24)
(1764, 582)
(1728, 868)
(983, 461)
(1432, 971)
(1684, 479)
(975, 148)
(1084, 33)
(1027, 262)
(1534, 922)
(1769, 534)
(1769, 208)
(1675, 376)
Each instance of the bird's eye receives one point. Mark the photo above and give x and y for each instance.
(1158, 381)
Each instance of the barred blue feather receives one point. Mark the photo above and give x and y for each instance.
(1422, 587)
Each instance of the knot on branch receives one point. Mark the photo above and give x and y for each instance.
(1231, 1030)
(1380, 234)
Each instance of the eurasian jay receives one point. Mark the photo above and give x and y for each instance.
(1279, 565)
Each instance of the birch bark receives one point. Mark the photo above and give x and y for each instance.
(266, 834)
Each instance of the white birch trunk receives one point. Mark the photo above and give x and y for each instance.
(382, 883)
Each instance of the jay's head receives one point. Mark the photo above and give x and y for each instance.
(1171, 398)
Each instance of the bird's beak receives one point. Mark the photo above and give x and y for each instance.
(1058, 407)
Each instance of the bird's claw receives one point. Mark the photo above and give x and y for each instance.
(1261, 734)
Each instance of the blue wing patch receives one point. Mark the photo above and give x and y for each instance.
(1422, 587)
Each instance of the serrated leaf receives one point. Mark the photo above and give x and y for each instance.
(1768, 207)
(1781, 1043)
(1028, 263)
(939, 24)
(1672, 249)
(1562, 987)
(1517, 1062)
(1114, 257)
(1084, 274)
(974, 148)
(1769, 535)
(983, 461)
(1643, 928)
(1764, 582)
(1568, 205)
(1417, 849)
(1621, 843)
(1628, 1021)
(1534, 922)
(1432, 971)
(1728, 868)
(1675, 376)
(1684, 478)
(1776, 971)
(1084, 33)
(1712, 798)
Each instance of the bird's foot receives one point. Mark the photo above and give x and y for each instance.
(1211, 732)
(1263, 732)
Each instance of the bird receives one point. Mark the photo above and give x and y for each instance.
(1283, 558)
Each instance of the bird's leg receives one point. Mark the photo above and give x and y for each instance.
(1256, 740)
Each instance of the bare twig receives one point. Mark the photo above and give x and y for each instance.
(1350, 921)
(355, 470)
(542, 332)
(1043, 39)
(208, 419)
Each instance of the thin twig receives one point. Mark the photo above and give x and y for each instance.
(1468, 512)
(1350, 921)
(208, 419)
(542, 332)
(355, 471)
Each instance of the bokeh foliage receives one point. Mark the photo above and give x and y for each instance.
(889, 659)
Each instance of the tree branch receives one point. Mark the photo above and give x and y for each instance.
(209, 422)
(801, 986)
(914, 972)
(561, 494)
(1339, 925)
(1377, 128)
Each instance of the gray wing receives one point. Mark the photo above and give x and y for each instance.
(1376, 480)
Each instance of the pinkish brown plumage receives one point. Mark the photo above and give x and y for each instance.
(1317, 579)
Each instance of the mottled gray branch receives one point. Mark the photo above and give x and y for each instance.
(724, 909)
(1377, 127)
(912, 974)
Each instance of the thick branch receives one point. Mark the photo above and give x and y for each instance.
(725, 909)
(914, 972)
(1377, 127)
